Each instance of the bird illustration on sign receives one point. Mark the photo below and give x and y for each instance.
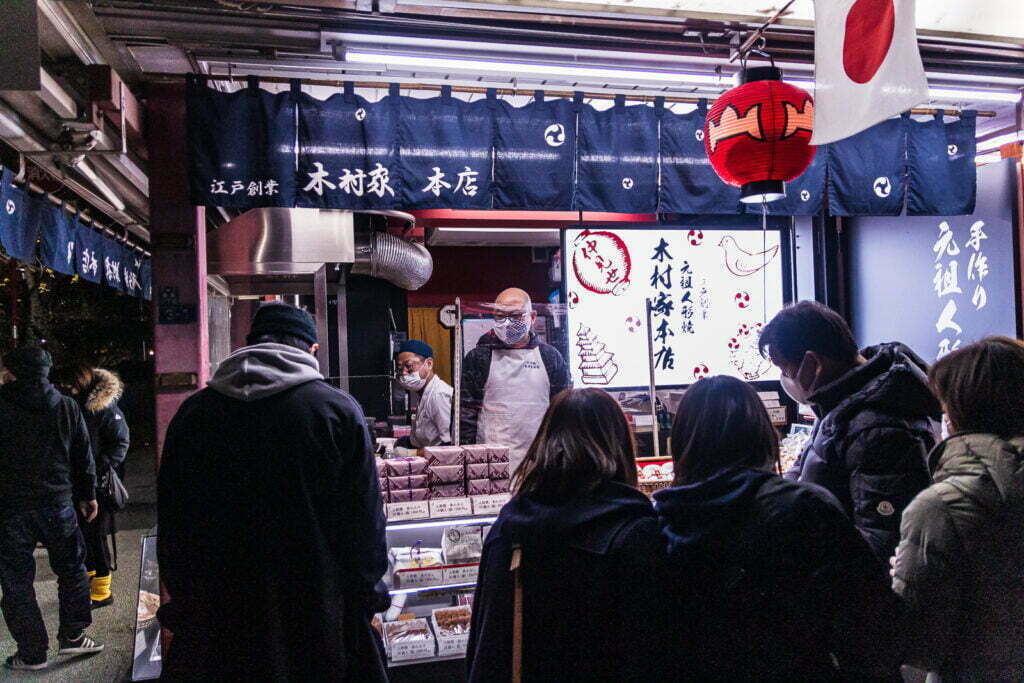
(743, 263)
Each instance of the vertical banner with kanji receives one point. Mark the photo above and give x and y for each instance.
(89, 253)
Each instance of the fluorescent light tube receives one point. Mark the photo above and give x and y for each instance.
(957, 95)
(498, 231)
(423, 62)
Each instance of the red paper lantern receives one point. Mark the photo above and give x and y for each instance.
(757, 135)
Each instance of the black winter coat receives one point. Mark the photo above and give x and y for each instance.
(590, 586)
(271, 527)
(108, 431)
(45, 457)
(779, 582)
(870, 446)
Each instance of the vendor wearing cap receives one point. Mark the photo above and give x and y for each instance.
(509, 379)
(433, 425)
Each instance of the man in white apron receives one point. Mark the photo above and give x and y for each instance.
(508, 380)
(416, 374)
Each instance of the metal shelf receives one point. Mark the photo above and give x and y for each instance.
(429, 523)
(424, 589)
(425, 660)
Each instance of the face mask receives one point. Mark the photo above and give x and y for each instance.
(947, 428)
(412, 381)
(792, 386)
(511, 331)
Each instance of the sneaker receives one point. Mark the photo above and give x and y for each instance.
(96, 604)
(17, 663)
(82, 645)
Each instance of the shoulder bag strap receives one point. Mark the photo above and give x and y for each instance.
(517, 615)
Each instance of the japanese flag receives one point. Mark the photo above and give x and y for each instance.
(866, 65)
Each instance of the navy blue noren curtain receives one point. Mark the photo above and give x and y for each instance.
(242, 146)
(618, 154)
(89, 253)
(535, 155)
(689, 184)
(20, 214)
(943, 175)
(867, 171)
(348, 152)
(445, 156)
(57, 241)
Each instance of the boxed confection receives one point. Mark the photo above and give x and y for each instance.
(444, 455)
(382, 468)
(477, 471)
(409, 639)
(407, 495)
(497, 454)
(478, 487)
(404, 467)
(452, 490)
(498, 486)
(416, 481)
(462, 544)
(447, 474)
(451, 624)
(498, 470)
(476, 454)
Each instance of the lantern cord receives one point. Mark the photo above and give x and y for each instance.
(764, 261)
(759, 33)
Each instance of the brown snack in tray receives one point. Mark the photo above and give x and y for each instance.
(476, 454)
(377, 624)
(444, 455)
(447, 474)
(408, 630)
(408, 495)
(404, 467)
(453, 621)
(453, 490)
(417, 481)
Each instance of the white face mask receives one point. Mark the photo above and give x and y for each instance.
(412, 381)
(947, 428)
(793, 388)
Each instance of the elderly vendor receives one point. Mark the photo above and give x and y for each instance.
(433, 425)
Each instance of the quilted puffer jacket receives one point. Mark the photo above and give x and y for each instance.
(960, 563)
(876, 425)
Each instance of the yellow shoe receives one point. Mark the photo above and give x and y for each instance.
(91, 574)
(99, 591)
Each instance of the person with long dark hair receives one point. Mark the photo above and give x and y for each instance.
(782, 585)
(960, 563)
(584, 547)
(97, 392)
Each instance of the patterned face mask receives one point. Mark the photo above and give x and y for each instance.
(510, 331)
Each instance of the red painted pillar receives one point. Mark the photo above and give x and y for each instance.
(178, 228)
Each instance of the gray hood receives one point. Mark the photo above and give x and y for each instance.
(262, 370)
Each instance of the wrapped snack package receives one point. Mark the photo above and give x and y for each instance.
(462, 544)
(476, 454)
(497, 470)
(453, 490)
(479, 487)
(447, 474)
(452, 621)
(404, 467)
(383, 487)
(407, 630)
(382, 467)
(477, 471)
(418, 481)
(444, 455)
(408, 495)
(498, 454)
(498, 486)
(416, 557)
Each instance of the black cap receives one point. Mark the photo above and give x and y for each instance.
(281, 318)
(28, 361)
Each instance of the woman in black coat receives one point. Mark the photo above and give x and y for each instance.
(783, 585)
(589, 552)
(98, 391)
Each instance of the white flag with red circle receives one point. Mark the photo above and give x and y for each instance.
(866, 65)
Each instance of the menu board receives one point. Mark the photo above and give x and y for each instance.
(712, 290)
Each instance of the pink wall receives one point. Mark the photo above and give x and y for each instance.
(479, 274)
(179, 250)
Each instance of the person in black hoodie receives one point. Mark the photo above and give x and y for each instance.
(97, 392)
(588, 548)
(781, 585)
(46, 470)
(877, 418)
(271, 523)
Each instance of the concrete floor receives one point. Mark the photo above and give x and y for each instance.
(113, 626)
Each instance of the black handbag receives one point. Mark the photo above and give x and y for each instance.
(111, 492)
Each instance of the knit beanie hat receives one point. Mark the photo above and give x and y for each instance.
(281, 318)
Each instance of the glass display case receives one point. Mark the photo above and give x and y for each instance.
(146, 658)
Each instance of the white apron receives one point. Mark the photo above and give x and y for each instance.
(516, 396)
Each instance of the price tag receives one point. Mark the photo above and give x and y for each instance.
(450, 507)
(413, 649)
(417, 578)
(452, 645)
(489, 504)
(778, 415)
(461, 574)
(401, 512)
(769, 395)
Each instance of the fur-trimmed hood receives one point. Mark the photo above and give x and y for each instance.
(107, 388)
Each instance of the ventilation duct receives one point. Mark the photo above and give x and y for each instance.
(404, 264)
